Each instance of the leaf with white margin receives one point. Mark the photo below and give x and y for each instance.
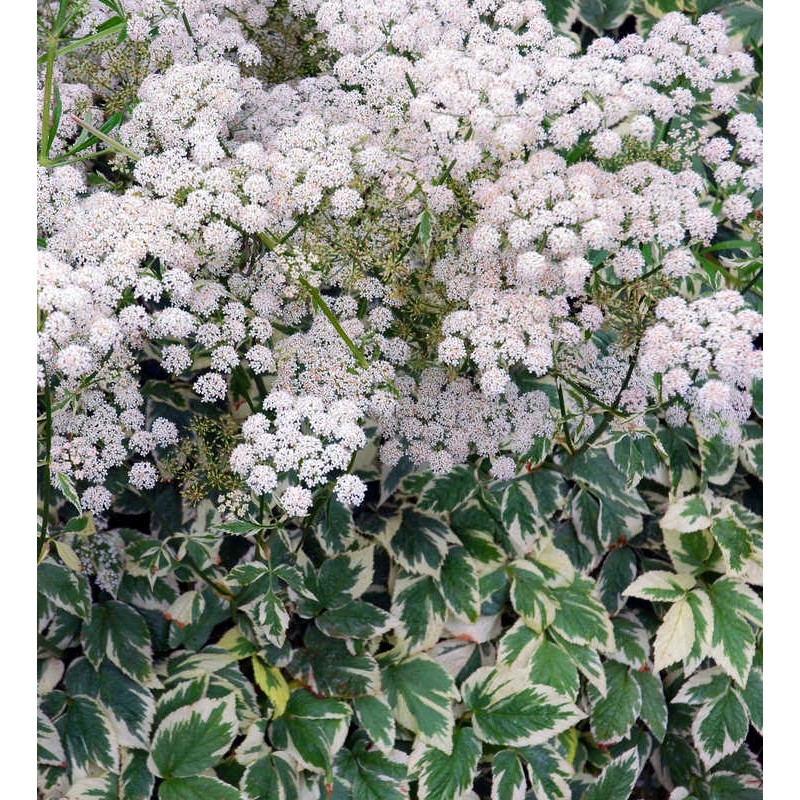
(531, 597)
(585, 659)
(553, 563)
(753, 696)
(312, 730)
(48, 743)
(104, 787)
(118, 632)
(375, 717)
(420, 608)
(193, 738)
(88, 736)
(690, 553)
(345, 577)
(735, 606)
(689, 514)
(197, 787)
(271, 777)
(614, 715)
(660, 586)
(617, 780)
(188, 608)
(548, 772)
(484, 629)
(419, 543)
(551, 666)
(269, 617)
(508, 710)
(703, 687)
(518, 645)
(441, 775)
(508, 778)
(675, 635)
(581, 618)
(129, 705)
(654, 707)
(720, 727)
(632, 640)
(452, 654)
(460, 588)
(703, 616)
(421, 694)
(371, 774)
(64, 588)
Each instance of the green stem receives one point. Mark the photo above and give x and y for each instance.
(47, 96)
(564, 421)
(48, 436)
(112, 143)
(318, 302)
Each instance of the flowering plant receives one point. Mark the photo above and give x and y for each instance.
(400, 399)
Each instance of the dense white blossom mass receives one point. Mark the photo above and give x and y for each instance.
(417, 244)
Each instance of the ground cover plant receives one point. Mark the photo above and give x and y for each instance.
(399, 399)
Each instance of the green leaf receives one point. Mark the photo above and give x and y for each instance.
(617, 780)
(703, 686)
(420, 608)
(64, 588)
(136, 781)
(632, 640)
(345, 577)
(421, 693)
(197, 787)
(654, 706)
(735, 606)
(444, 776)
(558, 10)
(689, 514)
(271, 777)
(117, 631)
(444, 493)
(420, 542)
(49, 749)
(101, 788)
(720, 727)
(269, 617)
(594, 470)
(193, 738)
(130, 706)
(335, 529)
(459, 582)
(531, 597)
(312, 730)
(613, 715)
(675, 637)
(548, 772)
(355, 620)
(88, 736)
(735, 540)
(616, 574)
(661, 586)
(508, 710)
(375, 717)
(581, 618)
(372, 775)
(328, 667)
(753, 696)
(551, 666)
(508, 779)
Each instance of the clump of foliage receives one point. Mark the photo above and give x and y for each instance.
(400, 400)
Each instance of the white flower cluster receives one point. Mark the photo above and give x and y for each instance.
(299, 444)
(704, 353)
(465, 112)
(439, 422)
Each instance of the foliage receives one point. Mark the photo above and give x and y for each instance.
(400, 400)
